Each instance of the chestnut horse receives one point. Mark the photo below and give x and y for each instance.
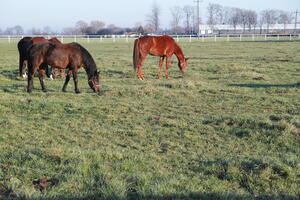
(23, 45)
(70, 56)
(163, 46)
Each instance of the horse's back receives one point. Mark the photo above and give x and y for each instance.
(157, 45)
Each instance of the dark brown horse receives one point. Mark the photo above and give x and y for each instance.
(163, 46)
(23, 46)
(70, 56)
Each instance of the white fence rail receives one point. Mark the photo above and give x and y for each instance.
(178, 38)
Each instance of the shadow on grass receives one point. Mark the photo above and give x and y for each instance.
(200, 196)
(270, 40)
(121, 74)
(12, 88)
(10, 74)
(252, 85)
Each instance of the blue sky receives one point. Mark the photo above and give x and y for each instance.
(125, 13)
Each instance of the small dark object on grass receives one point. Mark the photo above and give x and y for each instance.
(44, 183)
(259, 78)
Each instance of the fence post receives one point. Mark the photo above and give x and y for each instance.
(240, 37)
(127, 38)
(265, 36)
(277, 36)
(75, 39)
(62, 38)
(290, 36)
(101, 38)
(8, 38)
(88, 38)
(227, 38)
(215, 38)
(253, 37)
(202, 38)
(191, 38)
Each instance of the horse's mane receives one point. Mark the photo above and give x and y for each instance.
(88, 60)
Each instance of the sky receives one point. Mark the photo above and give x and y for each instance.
(58, 14)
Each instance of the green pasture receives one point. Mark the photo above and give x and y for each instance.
(228, 129)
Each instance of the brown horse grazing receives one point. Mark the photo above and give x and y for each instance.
(163, 46)
(70, 56)
(23, 45)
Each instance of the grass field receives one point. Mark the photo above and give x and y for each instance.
(228, 129)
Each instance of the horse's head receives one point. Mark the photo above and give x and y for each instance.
(94, 82)
(182, 65)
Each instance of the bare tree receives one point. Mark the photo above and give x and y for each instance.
(176, 13)
(81, 26)
(188, 12)
(235, 17)
(284, 18)
(270, 18)
(243, 19)
(18, 30)
(70, 31)
(214, 14)
(251, 19)
(96, 26)
(153, 18)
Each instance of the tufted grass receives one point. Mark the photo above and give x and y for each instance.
(228, 129)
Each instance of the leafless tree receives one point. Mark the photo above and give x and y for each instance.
(70, 31)
(188, 12)
(82, 26)
(96, 26)
(235, 17)
(214, 14)
(153, 18)
(251, 19)
(270, 18)
(176, 13)
(284, 18)
(16, 30)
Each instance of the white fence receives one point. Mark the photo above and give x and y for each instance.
(178, 38)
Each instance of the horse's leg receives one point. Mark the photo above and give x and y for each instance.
(21, 66)
(41, 77)
(64, 89)
(168, 63)
(75, 78)
(31, 72)
(140, 63)
(161, 60)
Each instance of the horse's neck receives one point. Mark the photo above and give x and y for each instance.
(90, 71)
(179, 54)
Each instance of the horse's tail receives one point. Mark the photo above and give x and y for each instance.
(22, 48)
(136, 54)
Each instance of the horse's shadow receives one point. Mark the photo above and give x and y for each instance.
(112, 73)
(10, 74)
(251, 85)
(12, 88)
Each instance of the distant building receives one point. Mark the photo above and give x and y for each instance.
(229, 29)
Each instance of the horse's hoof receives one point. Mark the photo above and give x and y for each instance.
(77, 91)
(44, 90)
